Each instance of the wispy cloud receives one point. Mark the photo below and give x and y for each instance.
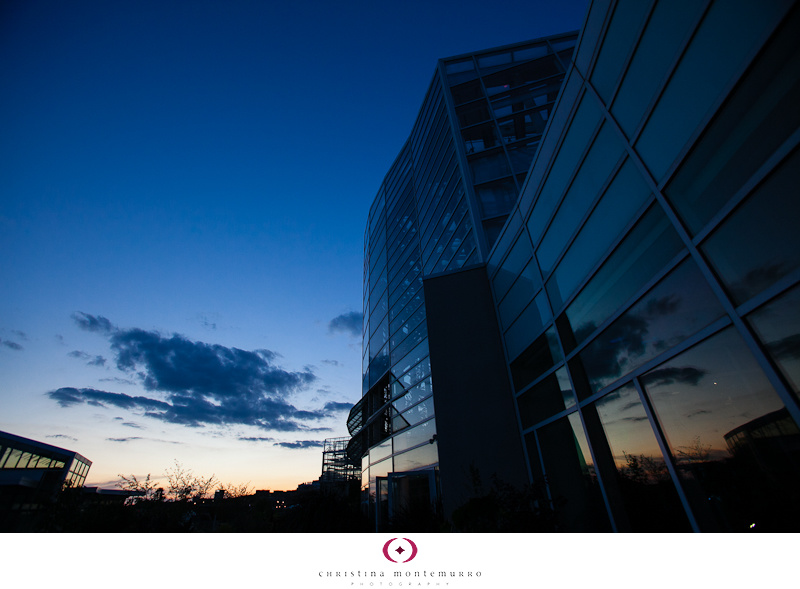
(90, 360)
(349, 323)
(331, 362)
(334, 407)
(96, 323)
(63, 437)
(11, 345)
(300, 444)
(123, 440)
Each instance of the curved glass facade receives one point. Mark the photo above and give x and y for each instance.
(438, 210)
(648, 280)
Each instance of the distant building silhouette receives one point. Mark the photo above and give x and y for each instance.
(33, 473)
(337, 466)
(614, 334)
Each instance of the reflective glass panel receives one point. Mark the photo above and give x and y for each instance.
(416, 373)
(537, 359)
(521, 155)
(667, 28)
(417, 435)
(517, 259)
(480, 137)
(726, 36)
(530, 322)
(644, 480)
(419, 412)
(489, 167)
(13, 460)
(417, 458)
(734, 444)
(546, 398)
(466, 92)
(625, 24)
(603, 155)
(644, 251)
(778, 327)
(412, 358)
(517, 299)
(497, 197)
(616, 208)
(381, 451)
(676, 308)
(577, 138)
(570, 474)
(760, 243)
(761, 114)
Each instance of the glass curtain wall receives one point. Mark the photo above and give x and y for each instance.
(479, 125)
(502, 101)
(648, 281)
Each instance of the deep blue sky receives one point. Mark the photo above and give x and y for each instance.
(190, 181)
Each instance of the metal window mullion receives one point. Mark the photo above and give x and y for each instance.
(752, 184)
(667, 455)
(461, 157)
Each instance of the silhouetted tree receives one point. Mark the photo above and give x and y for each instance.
(183, 485)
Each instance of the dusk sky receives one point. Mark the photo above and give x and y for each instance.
(183, 195)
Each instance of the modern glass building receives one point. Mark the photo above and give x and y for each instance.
(32, 474)
(647, 282)
(626, 331)
(433, 221)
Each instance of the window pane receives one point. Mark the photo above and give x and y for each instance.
(416, 373)
(517, 259)
(758, 118)
(643, 478)
(416, 435)
(583, 125)
(473, 113)
(733, 442)
(571, 476)
(381, 451)
(496, 198)
(466, 92)
(760, 243)
(417, 458)
(645, 251)
(412, 358)
(603, 155)
(521, 155)
(724, 39)
(625, 25)
(419, 412)
(530, 322)
(615, 210)
(545, 399)
(668, 27)
(540, 356)
(13, 460)
(480, 137)
(517, 299)
(23, 461)
(676, 308)
(778, 327)
(489, 167)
